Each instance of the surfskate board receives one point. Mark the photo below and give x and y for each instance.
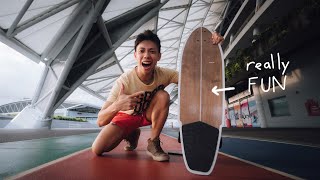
(201, 111)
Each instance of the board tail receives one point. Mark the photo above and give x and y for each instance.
(200, 142)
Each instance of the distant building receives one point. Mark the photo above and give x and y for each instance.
(69, 109)
(84, 111)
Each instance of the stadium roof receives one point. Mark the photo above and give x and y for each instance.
(45, 31)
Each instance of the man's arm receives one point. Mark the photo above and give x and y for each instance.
(124, 102)
(107, 113)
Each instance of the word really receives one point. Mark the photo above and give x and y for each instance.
(269, 65)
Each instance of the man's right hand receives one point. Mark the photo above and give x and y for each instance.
(127, 102)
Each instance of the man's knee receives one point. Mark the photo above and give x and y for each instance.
(96, 151)
(162, 96)
(109, 137)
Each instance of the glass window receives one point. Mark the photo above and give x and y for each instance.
(279, 106)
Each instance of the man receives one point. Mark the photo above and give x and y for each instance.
(138, 99)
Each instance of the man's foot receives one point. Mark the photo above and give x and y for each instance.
(155, 151)
(132, 140)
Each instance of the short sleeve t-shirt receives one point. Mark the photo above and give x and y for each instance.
(132, 84)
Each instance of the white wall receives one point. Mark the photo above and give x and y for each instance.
(302, 83)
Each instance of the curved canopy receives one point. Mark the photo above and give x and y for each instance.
(42, 30)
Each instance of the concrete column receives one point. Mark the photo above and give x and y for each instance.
(258, 4)
(255, 32)
(260, 108)
(227, 61)
(231, 38)
(260, 46)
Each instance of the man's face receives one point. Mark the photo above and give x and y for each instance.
(147, 56)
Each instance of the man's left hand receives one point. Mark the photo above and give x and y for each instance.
(216, 38)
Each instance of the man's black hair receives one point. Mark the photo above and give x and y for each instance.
(147, 35)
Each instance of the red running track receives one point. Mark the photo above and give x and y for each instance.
(137, 165)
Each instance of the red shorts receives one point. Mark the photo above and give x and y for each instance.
(130, 122)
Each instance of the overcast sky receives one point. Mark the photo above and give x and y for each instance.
(19, 77)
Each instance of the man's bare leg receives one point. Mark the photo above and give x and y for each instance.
(157, 112)
(109, 137)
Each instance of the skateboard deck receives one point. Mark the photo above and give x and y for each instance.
(201, 111)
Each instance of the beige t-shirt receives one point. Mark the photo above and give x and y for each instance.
(132, 84)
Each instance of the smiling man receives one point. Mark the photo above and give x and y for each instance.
(138, 99)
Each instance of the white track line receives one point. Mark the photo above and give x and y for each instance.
(263, 167)
(169, 136)
(258, 139)
(269, 140)
(19, 175)
(252, 163)
(200, 118)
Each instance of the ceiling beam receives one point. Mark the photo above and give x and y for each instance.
(19, 17)
(69, 29)
(93, 93)
(18, 46)
(171, 19)
(42, 16)
(184, 26)
(175, 7)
